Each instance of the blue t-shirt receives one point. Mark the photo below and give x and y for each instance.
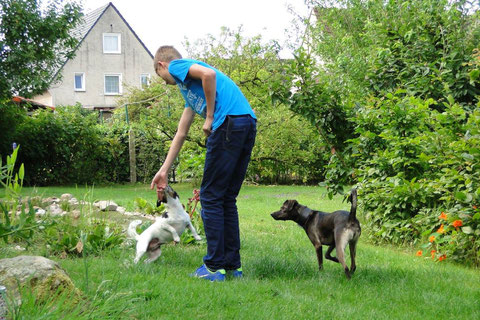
(229, 100)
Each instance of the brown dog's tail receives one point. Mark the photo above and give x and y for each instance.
(353, 209)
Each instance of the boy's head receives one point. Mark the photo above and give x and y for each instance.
(163, 57)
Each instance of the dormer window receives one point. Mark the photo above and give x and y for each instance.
(112, 43)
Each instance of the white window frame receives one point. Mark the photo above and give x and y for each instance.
(119, 37)
(75, 83)
(120, 89)
(147, 75)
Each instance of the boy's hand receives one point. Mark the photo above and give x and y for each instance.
(207, 126)
(160, 181)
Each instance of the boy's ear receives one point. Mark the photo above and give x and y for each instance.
(162, 64)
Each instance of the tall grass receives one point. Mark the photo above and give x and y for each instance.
(281, 277)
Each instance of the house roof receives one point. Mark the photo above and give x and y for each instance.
(89, 21)
(32, 104)
(91, 18)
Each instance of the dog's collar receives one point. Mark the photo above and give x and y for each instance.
(305, 214)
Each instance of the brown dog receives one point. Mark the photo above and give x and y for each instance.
(336, 229)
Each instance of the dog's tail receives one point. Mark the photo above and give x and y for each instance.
(132, 229)
(353, 209)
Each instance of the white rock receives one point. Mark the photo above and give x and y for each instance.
(76, 214)
(40, 212)
(106, 205)
(122, 210)
(48, 201)
(66, 196)
(55, 209)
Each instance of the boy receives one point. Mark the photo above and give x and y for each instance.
(230, 126)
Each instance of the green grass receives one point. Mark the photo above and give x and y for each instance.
(281, 277)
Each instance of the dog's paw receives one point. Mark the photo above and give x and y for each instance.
(198, 238)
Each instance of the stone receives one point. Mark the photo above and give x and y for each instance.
(121, 210)
(48, 201)
(40, 212)
(106, 205)
(55, 209)
(76, 214)
(66, 196)
(73, 202)
(44, 276)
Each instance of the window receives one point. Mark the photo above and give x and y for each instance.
(79, 81)
(112, 43)
(145, 80)
(113, 84)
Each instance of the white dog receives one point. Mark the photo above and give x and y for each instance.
(166, 228)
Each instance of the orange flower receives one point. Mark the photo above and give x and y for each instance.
(432, 253)
(457, 223)
(441, 230)
(443, 216)
(431, 239)
(419, 253)
(442, 257)
(475, 207)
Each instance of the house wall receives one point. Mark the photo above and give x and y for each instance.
(133, 61)
(45, 98)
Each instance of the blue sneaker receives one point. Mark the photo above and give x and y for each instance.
(204, 273)
(237, 273)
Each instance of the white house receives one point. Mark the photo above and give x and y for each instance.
(109, 57)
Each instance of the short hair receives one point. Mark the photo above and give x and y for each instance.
(166, 54)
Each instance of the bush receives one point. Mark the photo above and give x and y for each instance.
(416, 162)
(61, 147)
(69, 236)
(11, 116)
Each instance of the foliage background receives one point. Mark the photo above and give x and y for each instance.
(380, 94)
(401, 77)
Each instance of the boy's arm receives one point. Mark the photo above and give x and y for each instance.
(161, 178)
(209, 85)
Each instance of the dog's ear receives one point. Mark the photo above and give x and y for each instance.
(291, 204)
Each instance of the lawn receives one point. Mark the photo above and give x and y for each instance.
(281, 277)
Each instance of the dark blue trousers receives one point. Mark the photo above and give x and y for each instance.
(228, 153)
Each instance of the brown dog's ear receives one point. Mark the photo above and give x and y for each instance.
(291, 204)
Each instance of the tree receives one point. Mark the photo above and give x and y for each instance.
(34, 43)
(355, 52)
(286, 148)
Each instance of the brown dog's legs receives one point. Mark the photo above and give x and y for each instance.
(318, 249)
(328, 254)
(353, 252)
(340, 248)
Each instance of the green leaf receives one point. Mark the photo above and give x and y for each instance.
(467, 230)
(468, 156)
(21, 172)
(460, 196)
(474, 74)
